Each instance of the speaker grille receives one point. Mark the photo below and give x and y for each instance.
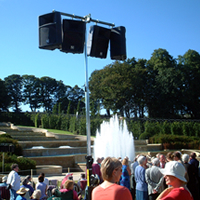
(73, 36)
(118, 43)
(98, 40)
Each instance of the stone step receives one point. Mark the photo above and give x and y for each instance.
(33, 138)
(54, 143)
(148, 147)
(54, 151)
(28, 134)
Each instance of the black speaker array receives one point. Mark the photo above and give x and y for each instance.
(70, 37)
(50, 35)
(73, 36)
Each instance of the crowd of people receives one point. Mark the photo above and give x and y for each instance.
(163, 177)
(15, 188)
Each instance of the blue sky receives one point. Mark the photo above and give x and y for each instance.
(150, 24)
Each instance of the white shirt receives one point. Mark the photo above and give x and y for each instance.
(14, 180)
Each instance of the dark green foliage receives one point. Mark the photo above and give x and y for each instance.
(45, 121)
(65, 122)
(82, 126)
(6, 135)
(73, 124)
(36, 120)
(196, 129)
(176, 141)
(95, 124)
(136, 127)
(24, 163)
(165, 128)
(18, 148)
(151, 128)
(17, 118)
(176, 128)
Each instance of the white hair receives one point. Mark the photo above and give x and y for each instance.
(185, 157)
(155, 161)
(141, 160)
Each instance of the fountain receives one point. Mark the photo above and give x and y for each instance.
(114, 140)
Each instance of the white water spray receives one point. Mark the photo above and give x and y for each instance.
(114, 140)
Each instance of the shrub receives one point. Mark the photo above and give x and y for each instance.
(176, 128)
(45, 121)
(136, 128)
(150, 130)
(165, 128)
(65, 122)
(18, 149)
(176, 141)
(188, 129)
(24, 163)
(196, 129)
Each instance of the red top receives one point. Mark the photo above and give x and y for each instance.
(178, 194)
(113, 192)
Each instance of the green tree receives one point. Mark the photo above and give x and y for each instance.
(32, 92)
(189, 66)
(161, 93)
(48, 92)
(14, 86)
(4, 98)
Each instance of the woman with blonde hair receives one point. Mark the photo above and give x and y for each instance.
(111, 170)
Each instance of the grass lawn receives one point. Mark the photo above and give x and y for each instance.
(54, 130)
(59, 131)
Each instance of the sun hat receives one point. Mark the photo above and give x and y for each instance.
(174, 168)
(4, 179)
(22, 190)
(37, 194)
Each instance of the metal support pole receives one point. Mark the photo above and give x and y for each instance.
(3, 162)
(87, 101)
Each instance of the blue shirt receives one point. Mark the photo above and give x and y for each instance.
(19, 197)
(140, 180)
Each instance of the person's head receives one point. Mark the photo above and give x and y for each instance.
(111, 169)
(170, 156)
(15, 167)
(174, 172)
(162, 158)
(177, 155)
(193, 155)
(25, 181)
(42, 174)
(53, 191)
(142, 160)
(22, 191)
(69, 184)
(82, 176)
(158, 155)
(136, 158)
(99, 160)
(125, 161)
(37, 194)
(28, 177)
(155, 162)
(4, 179)
(40, 178)
(185, 158)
